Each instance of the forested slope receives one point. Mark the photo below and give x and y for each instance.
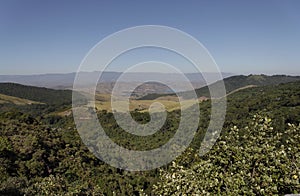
(42, 154)
(39, 94)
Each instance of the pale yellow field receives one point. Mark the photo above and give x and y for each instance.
(170, 103)
(16, 100)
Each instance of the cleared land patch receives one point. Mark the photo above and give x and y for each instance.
(16, 100)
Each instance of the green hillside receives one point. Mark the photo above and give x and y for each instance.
(256, 154)
(233, 83)
(44, 95)
(17, 97)
(42, 155)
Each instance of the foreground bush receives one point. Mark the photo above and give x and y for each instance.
(254, 160)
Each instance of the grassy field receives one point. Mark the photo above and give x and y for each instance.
(170, 103)
(16, 100)
(141, 105)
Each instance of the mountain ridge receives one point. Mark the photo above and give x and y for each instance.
(232, 83)
(65, 80)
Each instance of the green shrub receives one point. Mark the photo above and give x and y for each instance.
(254, 160)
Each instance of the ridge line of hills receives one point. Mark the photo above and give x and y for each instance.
(63, 98)
(65, 80)
(231, 84)
(37, 94)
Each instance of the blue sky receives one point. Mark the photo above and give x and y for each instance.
(242, 36)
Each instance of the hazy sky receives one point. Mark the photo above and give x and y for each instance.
(242, 36)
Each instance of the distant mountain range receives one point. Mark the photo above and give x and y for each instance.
(64, 81)
(41, 97)
(51, 96)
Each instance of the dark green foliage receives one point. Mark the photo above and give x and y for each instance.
(236, 82)
(42, 153)
(43, 95)
(37, 158)
(134, 142)
(51, 100)
(254, 160)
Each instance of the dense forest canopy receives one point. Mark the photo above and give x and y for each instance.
(257, 153)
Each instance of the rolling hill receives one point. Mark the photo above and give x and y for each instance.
(37, 94)
(233, 83)
(65, 80)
